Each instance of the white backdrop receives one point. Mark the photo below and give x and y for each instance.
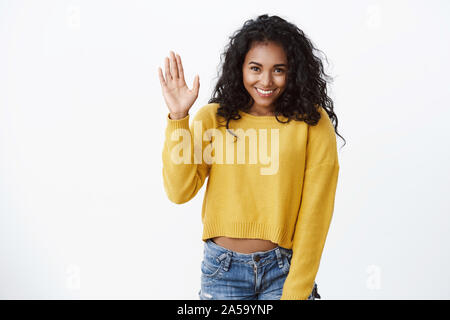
(83, 212)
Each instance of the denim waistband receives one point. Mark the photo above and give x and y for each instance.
(214, 249)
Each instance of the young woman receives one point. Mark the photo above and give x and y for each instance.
(269, 202)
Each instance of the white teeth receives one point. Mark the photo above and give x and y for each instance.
(264, 92)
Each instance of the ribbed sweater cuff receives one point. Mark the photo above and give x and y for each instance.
(291, 297)
(177, 124)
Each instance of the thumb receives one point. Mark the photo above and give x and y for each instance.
(196, 84)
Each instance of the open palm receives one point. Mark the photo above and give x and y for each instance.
(179, 98)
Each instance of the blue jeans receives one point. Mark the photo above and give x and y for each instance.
(230, 275)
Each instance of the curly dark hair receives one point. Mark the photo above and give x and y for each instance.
(306, 80)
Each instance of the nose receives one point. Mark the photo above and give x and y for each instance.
(266, 80)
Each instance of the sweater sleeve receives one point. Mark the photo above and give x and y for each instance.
(184, 170)
(316, 209)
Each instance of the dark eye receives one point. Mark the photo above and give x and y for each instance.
(280, 69)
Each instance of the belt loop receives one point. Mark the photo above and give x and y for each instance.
(279, 257)
(227, 257)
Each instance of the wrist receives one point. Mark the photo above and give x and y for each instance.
(178, 116)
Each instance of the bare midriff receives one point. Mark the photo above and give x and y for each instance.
(243, 245)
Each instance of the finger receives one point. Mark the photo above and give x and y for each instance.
(161, 78)
(180, 67)
(168, 75)
(173, 65)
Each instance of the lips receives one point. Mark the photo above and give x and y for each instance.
(265, 94)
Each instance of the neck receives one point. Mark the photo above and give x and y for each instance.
(261, 111)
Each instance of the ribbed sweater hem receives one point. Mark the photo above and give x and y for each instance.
(249, 230)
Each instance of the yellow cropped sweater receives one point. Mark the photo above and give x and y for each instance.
(266, 180)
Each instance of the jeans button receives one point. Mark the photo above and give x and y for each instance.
(256, 258)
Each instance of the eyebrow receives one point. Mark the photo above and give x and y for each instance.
(275, 65)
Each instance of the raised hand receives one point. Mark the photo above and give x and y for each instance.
(179, 98)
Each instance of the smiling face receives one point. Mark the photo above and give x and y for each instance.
(265, 68)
